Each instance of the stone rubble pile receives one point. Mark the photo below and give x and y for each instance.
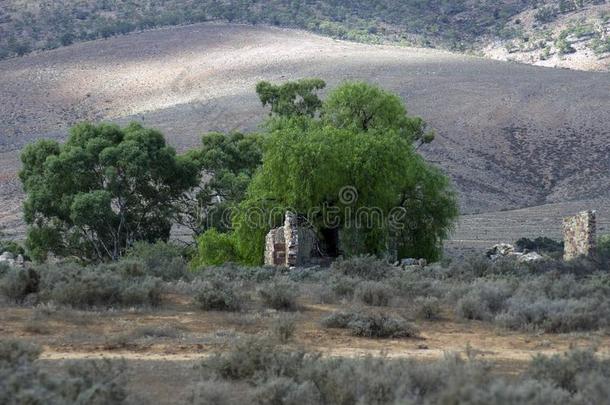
(507, 250)
(11, 260)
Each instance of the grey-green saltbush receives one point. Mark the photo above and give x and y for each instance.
(372, 325)
(278, 376)
(22, 381)
(280, 294)
(364, 267)
(218, 296)
(374, 293)
(97, 286)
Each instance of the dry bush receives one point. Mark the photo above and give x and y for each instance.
(364, 267)
(280, 295)
(277, 376)
(370, 324)
(219, 295)
(428, 308)
(22, 381)
(283, 327)
(374, 293)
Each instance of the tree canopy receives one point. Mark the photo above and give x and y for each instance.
(371, 186)
(362, 108)
(227, 162)
(356, 164)
(102, 190)
(292, 98)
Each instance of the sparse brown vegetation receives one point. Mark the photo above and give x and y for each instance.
(425, 318)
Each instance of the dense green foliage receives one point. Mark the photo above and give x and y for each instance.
(215, 248)
(228, 162)
(456, 24)
(381, 195)
(104, 189)
(360, 107)
(293, 98)
(540, 244)
(166, 261)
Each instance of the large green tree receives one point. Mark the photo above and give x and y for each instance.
(355, 170)
(102, 190)
(372, 187)
(227, 163)
(291, 99)
(363, 108)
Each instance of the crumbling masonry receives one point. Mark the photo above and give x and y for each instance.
(290, 245)
(579, 235)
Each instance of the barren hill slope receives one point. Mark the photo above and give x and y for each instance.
(510, 135)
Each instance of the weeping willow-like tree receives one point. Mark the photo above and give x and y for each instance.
(353, 170)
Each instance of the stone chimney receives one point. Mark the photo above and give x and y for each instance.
(579, 235)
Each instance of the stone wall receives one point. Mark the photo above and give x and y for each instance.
(290, 245)
(579, 235)
(275, 248)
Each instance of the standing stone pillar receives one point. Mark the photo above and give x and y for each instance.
(291, 236)
(579, 235)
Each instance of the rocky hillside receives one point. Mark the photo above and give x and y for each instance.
(510, 135)
(567, 33)
(577, 38)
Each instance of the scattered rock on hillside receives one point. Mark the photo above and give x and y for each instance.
(507, 250)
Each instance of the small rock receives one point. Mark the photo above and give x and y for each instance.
(530, 257)
(500, 250)
(409, 262)
(6, 256)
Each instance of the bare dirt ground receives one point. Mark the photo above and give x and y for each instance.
(510, 135)
(163, 346)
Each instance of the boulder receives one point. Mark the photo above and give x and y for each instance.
(6, 256)
(500, 250)
(507, 250)
(529, 257)
(413, 262)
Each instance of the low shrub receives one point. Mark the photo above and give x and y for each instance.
(343, 287)
(277, 376)
(428, 308)
(364, 267)
(218, 295)
(555, 316)
(472, 267)
(283, 328)
(374, 293)
(16, 283)
(21, 380)
(484, 300)
(163, 260)
(251, 357)
(280, 294)
(214, 392)
(233, 272)
(157, 331)
(569, 371)
(373, 325)
(215, 249)
(96, 286)
(286, 391)
(4, 268)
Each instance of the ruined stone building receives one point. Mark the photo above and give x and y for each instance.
(290, 245)
(579, 235)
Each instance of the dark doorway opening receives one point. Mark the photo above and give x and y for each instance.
(330, 242)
